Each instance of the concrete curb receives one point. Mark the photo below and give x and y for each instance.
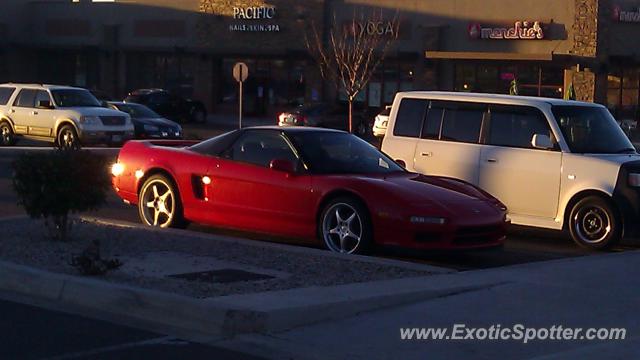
(230, 315)
(270, 245)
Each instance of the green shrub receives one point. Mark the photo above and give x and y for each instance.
(55, 184)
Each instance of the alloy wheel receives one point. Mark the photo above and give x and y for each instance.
(6, 135)
(342, 228)
(67, 139)
(158, 203)
(592, 224)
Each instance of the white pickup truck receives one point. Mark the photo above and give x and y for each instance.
(67, 116)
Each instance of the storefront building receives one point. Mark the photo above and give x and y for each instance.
(552, 48)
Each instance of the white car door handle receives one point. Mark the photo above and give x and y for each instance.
(12, 111)
(492, 160)
(427, 154)
(34, 113)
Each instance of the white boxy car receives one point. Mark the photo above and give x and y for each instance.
(555, 164)
(67, 116)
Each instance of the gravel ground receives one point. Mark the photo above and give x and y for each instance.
(24, 241)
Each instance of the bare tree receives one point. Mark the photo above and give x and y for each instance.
(352, 51)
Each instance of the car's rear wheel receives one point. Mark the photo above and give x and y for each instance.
(7, 137)
(159, 203)
(594, 224)
(345, 226)
(67, 138)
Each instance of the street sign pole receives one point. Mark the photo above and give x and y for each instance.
(240, 73)
(240, 112)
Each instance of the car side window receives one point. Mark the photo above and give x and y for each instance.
(410, 117)
(26, 98)
(260, 148)
(42, 95)
(433, 123)
(5, 94)
(462, 122)
(514, 126)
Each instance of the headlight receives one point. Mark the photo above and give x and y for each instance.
(90, 120)
(634, 180)
(117, 169)
(428, 220)
(151, 128)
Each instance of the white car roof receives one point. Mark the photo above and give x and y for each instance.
(492, 98)
(40, 86)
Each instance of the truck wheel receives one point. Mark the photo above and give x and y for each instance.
(7, 137)
(68, 138)
(594, 224)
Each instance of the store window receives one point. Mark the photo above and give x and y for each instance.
(532, 79)
(623, 92)
(174, 72)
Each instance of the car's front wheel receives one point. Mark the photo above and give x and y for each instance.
(345, 226)
(68, 138)
(594, 224)
(7, 137)
(159, 203)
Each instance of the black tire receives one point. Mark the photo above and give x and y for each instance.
(337, 234)
(594, 224)
(67, 138)
(198, 115)
(7, 137)
(172, 202)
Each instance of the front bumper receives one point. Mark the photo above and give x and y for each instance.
(627, 199)
(486, 234)
(105, 137)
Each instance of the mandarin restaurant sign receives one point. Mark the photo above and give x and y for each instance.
(521, 30)
(625, 16)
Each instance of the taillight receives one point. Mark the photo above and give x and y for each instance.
(282, 117)
(301, 119)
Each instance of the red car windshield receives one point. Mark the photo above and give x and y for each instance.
(341, 153)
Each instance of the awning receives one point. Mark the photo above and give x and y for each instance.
(470, 55)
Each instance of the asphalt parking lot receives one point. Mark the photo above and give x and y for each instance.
(523, 245)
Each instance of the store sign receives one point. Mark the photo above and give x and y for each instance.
(521, 30)
(252, 14)
(626, 16)
(371, 28)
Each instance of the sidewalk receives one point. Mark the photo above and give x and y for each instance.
(587, 292)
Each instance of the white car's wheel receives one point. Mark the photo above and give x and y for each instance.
(594, 224)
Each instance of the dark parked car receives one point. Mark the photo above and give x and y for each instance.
(334, 116)
(147, 123)
(169, 105)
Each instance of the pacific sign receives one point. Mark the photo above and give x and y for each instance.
(254, 13)
(521, 30)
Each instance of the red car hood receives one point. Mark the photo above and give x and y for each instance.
(447, 193)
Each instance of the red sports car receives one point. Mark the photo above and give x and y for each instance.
(304, 183)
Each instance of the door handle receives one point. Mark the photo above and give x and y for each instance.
(491, 160)
(427, 154)
(34, 113)
(12, 111)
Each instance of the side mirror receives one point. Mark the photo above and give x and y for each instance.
(540, 141)
(45, 104)
(282, 165)
(401, 163)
